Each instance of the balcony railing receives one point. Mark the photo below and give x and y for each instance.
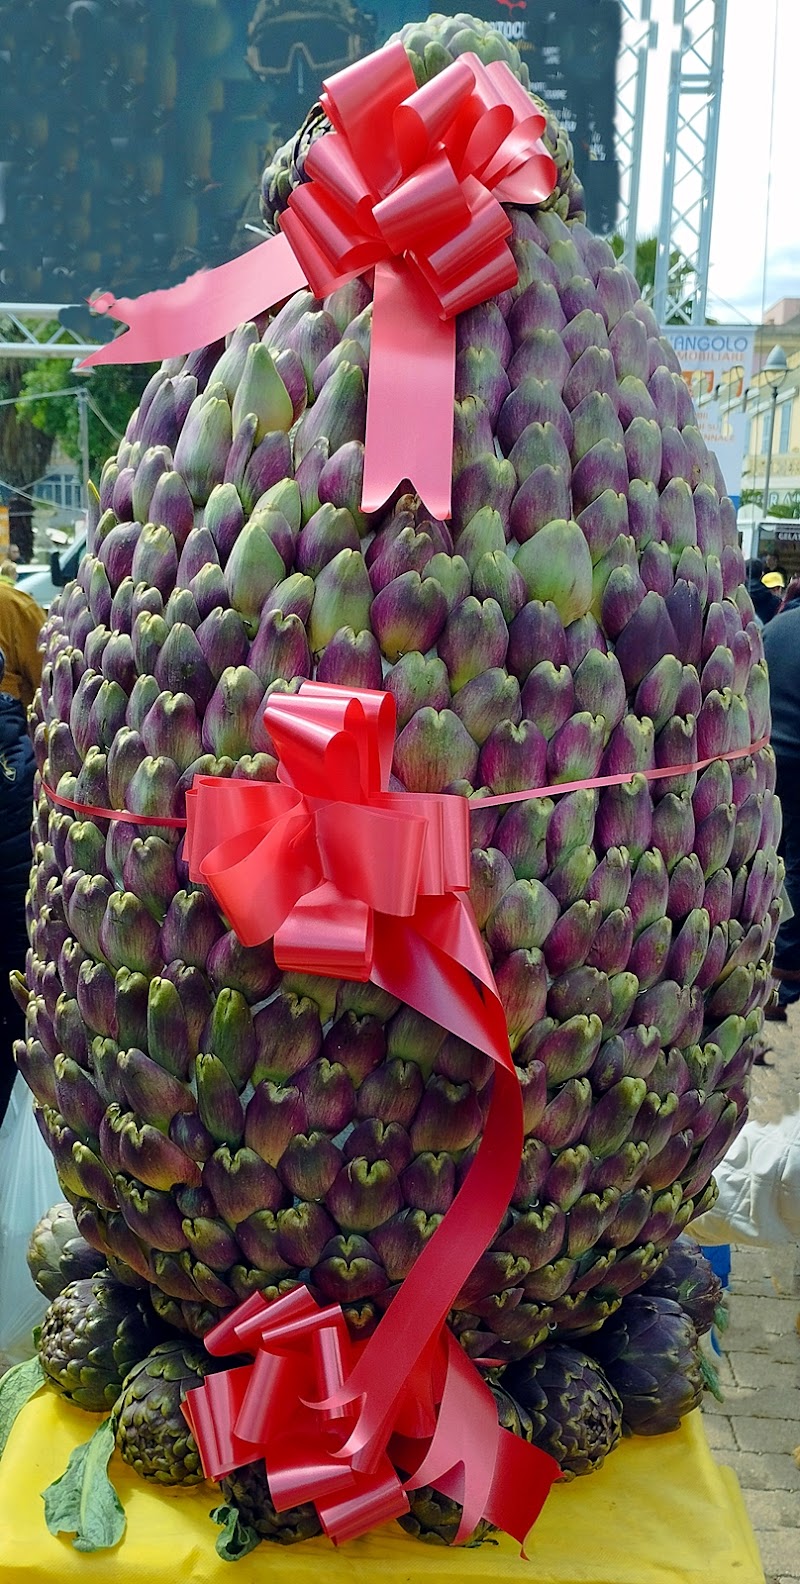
(784, 464)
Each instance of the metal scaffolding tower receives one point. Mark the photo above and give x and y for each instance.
(27, 331)
(684, 233)
(639, 36)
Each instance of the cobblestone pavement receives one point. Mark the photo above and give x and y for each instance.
(756, 1430)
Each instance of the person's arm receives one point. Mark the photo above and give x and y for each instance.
(759, 1188)
(29, 660)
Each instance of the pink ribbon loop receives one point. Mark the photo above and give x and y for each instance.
(307, 862)
(282, 1408)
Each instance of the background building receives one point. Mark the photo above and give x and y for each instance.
(781, 324)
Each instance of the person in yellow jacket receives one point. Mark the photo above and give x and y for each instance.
(21, 622)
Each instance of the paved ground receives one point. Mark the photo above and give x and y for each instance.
(757, 1428)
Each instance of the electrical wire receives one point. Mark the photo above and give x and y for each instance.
(14, 401)
(769, 159)
(71, 390)
(715, 298)
(37, 500)
(103, 420)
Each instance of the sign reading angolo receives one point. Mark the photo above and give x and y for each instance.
(717, 365)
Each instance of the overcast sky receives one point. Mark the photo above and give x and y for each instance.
(755, 244)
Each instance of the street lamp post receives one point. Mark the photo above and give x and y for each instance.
(775, 370)
(83, 429)
(83, 437)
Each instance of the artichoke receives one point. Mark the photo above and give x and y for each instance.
(689, 1279)
(649, 1352)
(150, 1431)
(91, 1335)
(247, 1491)
(574, 1410)
(57, 1254)
(221, 1127)
(435, 1518)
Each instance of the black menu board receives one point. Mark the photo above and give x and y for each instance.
(133, 132)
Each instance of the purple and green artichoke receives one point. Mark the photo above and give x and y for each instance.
(575, 1413)
(150, 1432)
(689, 1279)
(221, 1127)
(91, 1336)
(57, 1254)
(648, 1351)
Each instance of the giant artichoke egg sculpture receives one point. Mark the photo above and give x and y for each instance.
(220, 1126)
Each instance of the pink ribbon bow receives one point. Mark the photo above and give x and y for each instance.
(309, 862)
(410, 183)
(444, 1432)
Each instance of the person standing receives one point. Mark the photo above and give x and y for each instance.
(17, 769)
(765, 600)
(21, 621)
(758, 1185)
(772, 566)
(782, 651)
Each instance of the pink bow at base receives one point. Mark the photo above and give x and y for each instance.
(445, 1431)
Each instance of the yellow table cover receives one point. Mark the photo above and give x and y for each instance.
(660, 1511)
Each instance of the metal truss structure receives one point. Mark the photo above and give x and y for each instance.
(687, 196)
(639, 36)
(27, 331)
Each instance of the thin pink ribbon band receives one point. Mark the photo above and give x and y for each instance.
(474, 805)
(410, 183)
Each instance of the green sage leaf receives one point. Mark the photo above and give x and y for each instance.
(17, 1386)
(83, 1501)
(721, 1319)
(237, 1539)
(710, 1377)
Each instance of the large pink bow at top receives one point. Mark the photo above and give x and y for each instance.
(411, 183)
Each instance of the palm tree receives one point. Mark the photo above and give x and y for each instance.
(646, 249)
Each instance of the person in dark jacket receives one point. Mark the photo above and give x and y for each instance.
(765, 601)
(17, 768)
(772, 564)
(782, 651)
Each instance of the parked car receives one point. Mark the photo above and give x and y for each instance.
(42, 579)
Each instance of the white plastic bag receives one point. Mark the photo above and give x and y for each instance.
(28, 1187)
